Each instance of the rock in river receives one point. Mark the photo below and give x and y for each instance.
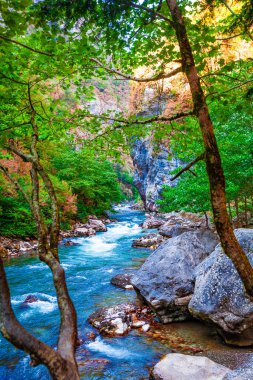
(166, 280)
(120, 319)
(147, 241)
(185, 367)
(96, 224)
(122, 281)
(153, 222)
(219, 295)
(112, 321)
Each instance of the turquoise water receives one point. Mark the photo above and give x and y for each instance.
(89, 268)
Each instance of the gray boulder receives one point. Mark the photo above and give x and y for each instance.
(219, 296)
(170, 231)
(185, 367)
(166, 279)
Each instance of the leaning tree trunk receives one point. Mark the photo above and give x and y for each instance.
(62, 362)
(214, 168)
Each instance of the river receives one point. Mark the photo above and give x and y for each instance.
(89, 268)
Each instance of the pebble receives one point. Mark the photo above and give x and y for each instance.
(145, 327)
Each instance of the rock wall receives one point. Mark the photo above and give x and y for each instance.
(153, 164)
(151, 171)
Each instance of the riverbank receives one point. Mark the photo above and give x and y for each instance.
(16, 247)
(90, 264)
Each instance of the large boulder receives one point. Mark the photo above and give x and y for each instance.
(179, 222)
(169, 231)
(185, 367)
(219, 296)
(166, 279)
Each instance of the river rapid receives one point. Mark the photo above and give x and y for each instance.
(89, 267)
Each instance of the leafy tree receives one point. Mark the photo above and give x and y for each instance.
(92, 180)
(158, 32)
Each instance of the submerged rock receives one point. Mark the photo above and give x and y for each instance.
(147, 241)
(219, 296)
(70, 243)
(185, 367)
(166, 279)
(122, 281)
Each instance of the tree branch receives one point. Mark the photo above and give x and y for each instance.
(230, 89)
(161, 75)
(26, 46)
(238, 17)
(14, 332)
(16, 184)
(3, 76)
(188, 167)
(220, 74)
(153, 12)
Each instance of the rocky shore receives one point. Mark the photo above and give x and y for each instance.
(186, 277)
(15, 247)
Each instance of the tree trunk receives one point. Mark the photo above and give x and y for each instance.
(59, 368)
(230, 212)
(214, 168)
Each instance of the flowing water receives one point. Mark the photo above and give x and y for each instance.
(89, 267)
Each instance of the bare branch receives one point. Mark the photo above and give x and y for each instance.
(188, 167)
(161, 75)
(26, 46)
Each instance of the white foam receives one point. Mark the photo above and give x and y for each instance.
(119, 230)
(37, 266)
(66, 266)
(99, 346)
(43, 307)
(45, 303)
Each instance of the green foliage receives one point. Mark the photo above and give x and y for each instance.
(91, 179)
(232, 116)
(127, 183)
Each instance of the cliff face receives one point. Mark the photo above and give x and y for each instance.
(151, 171)
(153, 164)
